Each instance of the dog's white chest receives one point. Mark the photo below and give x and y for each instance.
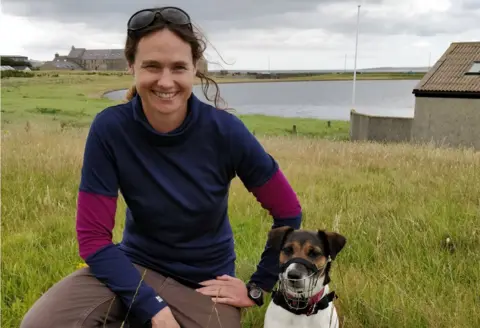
(277, 317)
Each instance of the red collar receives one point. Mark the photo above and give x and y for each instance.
(315, 303)
(317, 297)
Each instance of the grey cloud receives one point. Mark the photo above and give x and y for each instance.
(211, 15)
(91, 10)
(216, 16)
(420, 25)
(344, 21)
(471, 5)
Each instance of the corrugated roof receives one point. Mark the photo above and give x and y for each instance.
(449, 72)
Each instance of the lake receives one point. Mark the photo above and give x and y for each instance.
(330, 100)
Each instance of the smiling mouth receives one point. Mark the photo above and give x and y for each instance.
(165, 95)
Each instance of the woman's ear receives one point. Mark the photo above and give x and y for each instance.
(130, 69)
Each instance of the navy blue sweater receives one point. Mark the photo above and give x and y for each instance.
(176, 188)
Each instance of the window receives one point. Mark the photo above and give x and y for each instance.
(474, 69)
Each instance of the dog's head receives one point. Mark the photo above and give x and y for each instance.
(305, 258)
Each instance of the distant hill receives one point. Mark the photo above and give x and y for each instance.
(396, 69)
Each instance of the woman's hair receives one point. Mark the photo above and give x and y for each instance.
(197, 44)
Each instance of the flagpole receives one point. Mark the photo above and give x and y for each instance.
(355, 61)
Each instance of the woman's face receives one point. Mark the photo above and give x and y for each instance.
(164, 73)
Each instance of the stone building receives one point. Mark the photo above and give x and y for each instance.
(98, 59)
(89, 59)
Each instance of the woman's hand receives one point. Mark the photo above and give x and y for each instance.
(227, 290)
(164, 319)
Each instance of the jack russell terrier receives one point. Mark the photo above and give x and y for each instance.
(303, 298)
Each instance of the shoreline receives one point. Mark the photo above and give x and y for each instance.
(125, 79)
(317, 78)
(362, 76)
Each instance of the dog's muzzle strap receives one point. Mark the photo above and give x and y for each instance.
(299, 260)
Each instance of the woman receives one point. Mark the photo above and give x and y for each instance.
(173, 158)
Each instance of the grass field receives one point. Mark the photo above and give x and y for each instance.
(396, 204)
(70, 99)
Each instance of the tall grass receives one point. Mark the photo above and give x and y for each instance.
(396, 204)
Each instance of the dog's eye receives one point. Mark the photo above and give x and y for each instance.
(288, 250)
(314, 253)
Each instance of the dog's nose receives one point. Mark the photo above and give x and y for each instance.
(294, 274)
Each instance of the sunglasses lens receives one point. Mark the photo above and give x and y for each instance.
(144, 18)
(141, 19)
(175, 16)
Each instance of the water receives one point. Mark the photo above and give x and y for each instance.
(331, 100)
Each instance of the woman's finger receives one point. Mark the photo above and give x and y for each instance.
(215, 291)
(224, 300)
(214, 282)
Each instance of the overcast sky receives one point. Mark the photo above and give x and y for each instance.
(248, 34)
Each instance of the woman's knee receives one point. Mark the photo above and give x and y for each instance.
(76, 299)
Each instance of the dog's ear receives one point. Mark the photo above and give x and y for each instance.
(335, 241)
(277, 236)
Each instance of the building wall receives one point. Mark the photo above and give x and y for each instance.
(358, 126)
(117, 65)
(377, 128)
(102, 64)
(447, 121)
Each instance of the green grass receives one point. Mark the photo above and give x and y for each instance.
(395, 204)
(284, 126)
(73, 98)
(53, 97)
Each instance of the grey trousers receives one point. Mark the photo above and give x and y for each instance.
(80, 300)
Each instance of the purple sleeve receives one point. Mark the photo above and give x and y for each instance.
(278, 197)
(262, 176)
(96, 207)
(95, 222)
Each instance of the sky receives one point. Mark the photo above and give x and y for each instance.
(256, 34)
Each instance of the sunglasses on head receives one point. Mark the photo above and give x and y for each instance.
(145, 17)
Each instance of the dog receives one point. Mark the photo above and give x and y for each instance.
(303, 298)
